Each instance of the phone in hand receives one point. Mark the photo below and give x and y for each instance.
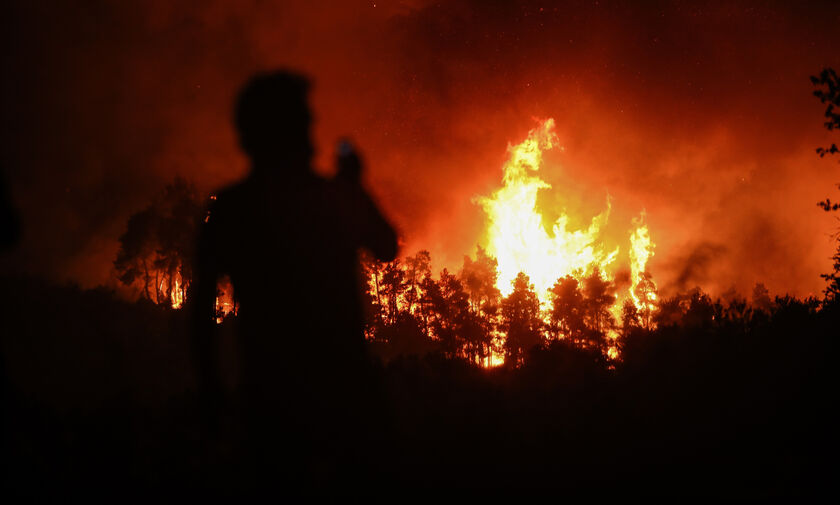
(348, 164)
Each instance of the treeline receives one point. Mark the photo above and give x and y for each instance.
(464, 315)
(158, 244)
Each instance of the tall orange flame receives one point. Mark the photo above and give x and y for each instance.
(516, 234)
(642, 289)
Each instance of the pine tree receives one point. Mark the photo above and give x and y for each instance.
(832, 291)
(521, 320)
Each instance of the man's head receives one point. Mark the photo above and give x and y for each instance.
(273, 120)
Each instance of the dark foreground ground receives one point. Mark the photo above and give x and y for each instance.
(100, 401)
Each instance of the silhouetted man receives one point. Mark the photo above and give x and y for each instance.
(289, 241)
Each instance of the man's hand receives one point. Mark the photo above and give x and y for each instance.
(348, 163)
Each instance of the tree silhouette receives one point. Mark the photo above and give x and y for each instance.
(446, 307)
(157, 246)
(567, 310)
(371, 269)
(417, 268)
(670, 311)
(521, 320)
(405, 336)
(645, 292)
(828, 91)
(412, 313)
(479, 278)
(832, 291)
(393, 305)
(136, 256)
(700, 311)
(630, 318)
(761, 298)
(391, 288)
(429, 303)
(455, 312)
(598, 298)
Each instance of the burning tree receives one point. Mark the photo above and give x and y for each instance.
(156, 249)
(567, 310)
(410, 312)
(479, 278)
(397, 315)
(451, 321)
(521, 320)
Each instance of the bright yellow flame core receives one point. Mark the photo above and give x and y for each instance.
(516, 235)
(643, 290)
(177, 294)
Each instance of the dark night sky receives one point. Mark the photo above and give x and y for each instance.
(699, 112)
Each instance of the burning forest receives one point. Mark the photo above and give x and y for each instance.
(277, 251)
(529, 286)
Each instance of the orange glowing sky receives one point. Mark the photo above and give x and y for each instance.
(698, 112)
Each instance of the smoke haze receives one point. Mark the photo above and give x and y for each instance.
(699, 113)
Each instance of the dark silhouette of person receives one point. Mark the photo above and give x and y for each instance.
(289, 241)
